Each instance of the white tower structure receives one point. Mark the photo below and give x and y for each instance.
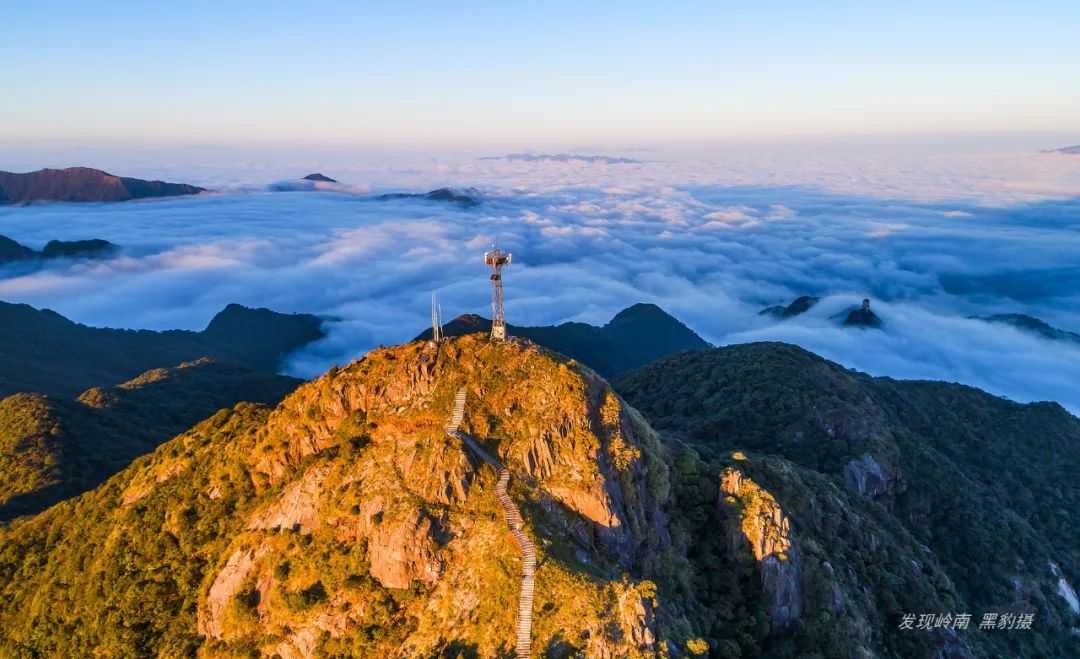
(497, 258)
(436, 320)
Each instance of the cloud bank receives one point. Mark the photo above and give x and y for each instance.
(565, 157)
(711, 250)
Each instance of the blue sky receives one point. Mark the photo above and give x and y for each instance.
(470, 73)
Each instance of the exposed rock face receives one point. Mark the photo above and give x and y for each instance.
(296, 509)
(402, 549)
(83, 184)
(757, 519)
(1065, 589)
(632, 632)
(865, 476)
(780, 578)
(361, 513)
(225, 586)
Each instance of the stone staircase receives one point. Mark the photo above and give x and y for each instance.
(458, 414)
(513, 520)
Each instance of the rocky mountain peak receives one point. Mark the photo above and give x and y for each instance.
(348, 521)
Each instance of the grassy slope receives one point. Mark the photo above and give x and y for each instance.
(53, 449)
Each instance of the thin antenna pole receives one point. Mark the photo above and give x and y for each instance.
(436, 323)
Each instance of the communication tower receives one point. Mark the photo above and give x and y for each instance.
(497, 258)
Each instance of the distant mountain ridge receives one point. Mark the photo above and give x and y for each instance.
(83, 184)
(1031, 325)
(635, 336)
(466, 197)
(799, 306)
(1067, 150)
(41, 351)
(860, 316)
(13, 252)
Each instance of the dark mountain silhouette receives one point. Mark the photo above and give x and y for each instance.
(13, 252)
(93, 248)
(319, 177)
(43, 352)
(1031, 325)
(1067, 150)
(860, 316)
(635, 336)
(467, 197)
(83, 184)
(800, 305)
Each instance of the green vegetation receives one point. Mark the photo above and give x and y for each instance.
(43, 352)
(346, 522)
(986, 485)
(789, 508)
(51, 450)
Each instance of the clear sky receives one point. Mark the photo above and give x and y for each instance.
(507, 72)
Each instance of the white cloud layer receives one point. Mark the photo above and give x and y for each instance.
(712, 243)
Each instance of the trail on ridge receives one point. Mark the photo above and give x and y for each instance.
(513, 520)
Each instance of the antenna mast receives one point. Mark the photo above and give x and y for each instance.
(497, 258)
(436, 320)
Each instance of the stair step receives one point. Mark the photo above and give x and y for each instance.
(512, 517)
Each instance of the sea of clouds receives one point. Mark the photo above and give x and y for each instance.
(712, 238)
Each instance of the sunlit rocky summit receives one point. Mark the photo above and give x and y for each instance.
(780, 506)
(345, 522)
